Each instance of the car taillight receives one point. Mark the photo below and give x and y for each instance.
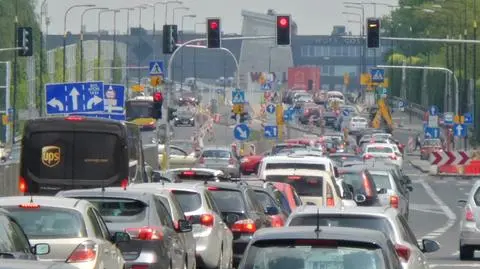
(145, 233)
(469, 214)
(393, 156)
(231, 161)
(277, 221)
(85, 252)
(207, 219)
(74, 118)
(140, 266)
(22, 185)
(367, 186)
(244, 226)
(124, 184)
(330, 200)
(394, 201)
(367, 156)
(201, 160)
(403, 252)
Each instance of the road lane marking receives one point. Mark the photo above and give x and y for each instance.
(456, 253)
(454, 265)
(446, 210)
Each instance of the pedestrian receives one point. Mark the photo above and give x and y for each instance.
(418, 143)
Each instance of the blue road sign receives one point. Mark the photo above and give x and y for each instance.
(271, 108)
(401, 104)
(270, 131)
(241, 132)
(267, 86)
(238, 97)
(345, 113)
(433, 110)
(448, 118)
(432, 132)
(76, 97)
(468, 118)
(156, 68)
(114, 98)
(120, 117)
(288, 114)
(377, 74)
(460, 130)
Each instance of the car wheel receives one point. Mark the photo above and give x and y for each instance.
(466, 252)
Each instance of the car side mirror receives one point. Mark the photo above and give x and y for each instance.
(360, 198)
(41, 249)
(409, 188)
(120, 237)
(382, 191)
(271, 211)
(407, 179)
(310, 203)
(429, 246)
(184, 226)
(461, 203)
(347, 195)
(335, 171)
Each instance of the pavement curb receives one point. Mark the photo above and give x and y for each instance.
(440, 175)
(419, 167)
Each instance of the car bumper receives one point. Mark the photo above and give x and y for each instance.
(239, 245)
(469, 234)
(207, 252)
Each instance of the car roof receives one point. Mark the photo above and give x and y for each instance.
(193, 186)
(354, 169)
(380, 145)
(205, 170)
(50, 201)
(343, 154)
(296, 172)
(217, 148)
(116, 192)
(332, 233)
(292, 157)
(367, 210)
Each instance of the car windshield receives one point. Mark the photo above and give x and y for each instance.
(186, 146)
(228, 200)
(49, 222)
(119, 210)
(382, 181)
(359, 120)
(216, 154)
(189, 201)
(304, 185)
(137, 110)
(432, 143)
(315, 254)
(295, 165)
(379, 149)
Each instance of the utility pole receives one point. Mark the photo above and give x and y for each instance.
(474, 70)
(15, 89)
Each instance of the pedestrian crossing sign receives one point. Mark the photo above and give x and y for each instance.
(238, 97)
(377, 74)
(156, 68)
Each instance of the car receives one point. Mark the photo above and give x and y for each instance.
(341, 157)
(282, 146)
(184, 144)
(309, 151)
(357, 124)
(383, 151)
(15, 244)
(365, 191)
(26, 264)
(249, 164)
(154, 240)
(241, 211)
(196, 174)
(220, 158)
(184, 117)
(469, 238)
(386, 165)
(320, 247)
(73, 228)
(384, 219)
(178, 157)
(213, 239)
(290, 194)
(429, 146)
(330, 118)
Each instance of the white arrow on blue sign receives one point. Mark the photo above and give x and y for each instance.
(468, 118)
(241, 132)
(76, 97)
(271, 108)
(432, 132)
(433, 110)
(345, 113)
(271, 131)
(460, 130)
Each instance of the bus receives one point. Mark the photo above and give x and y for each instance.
(75, 152)
(139, 111)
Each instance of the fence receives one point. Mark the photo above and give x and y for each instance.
(9, 173)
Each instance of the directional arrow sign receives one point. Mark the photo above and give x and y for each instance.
(95, 100)
(433, 110)
(241, 132)
(56, 104)
(459, 130)
(271, 108)
(74, 94)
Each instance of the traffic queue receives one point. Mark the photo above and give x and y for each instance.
(348, 197)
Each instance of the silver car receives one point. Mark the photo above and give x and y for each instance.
(390, 190)
(213, 237)
(470, 223)
(220, 158)
(25, 264)
(384, 219)
(73, 228)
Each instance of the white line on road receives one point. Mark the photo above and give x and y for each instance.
(454, 265)
(448, 212)
(456, 253)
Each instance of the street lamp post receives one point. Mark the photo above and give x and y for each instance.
(183, 19)
(128, 9)
(363, 53)
(65, 37)
(195, 51)
(114, 43)
(43, 15)
(360, 23)
(81, 37)
(166, 8)
(175, 9)
(99, 46)
(140, 8)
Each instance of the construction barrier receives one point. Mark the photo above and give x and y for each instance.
(456, 162)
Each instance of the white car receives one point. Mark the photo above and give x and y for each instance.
(383, 151)
(357, 124)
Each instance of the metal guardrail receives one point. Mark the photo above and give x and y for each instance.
(416, 109)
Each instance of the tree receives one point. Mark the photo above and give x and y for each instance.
(117, 74)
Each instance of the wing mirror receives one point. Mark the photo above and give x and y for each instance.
(335, 171)
(271, 211)
(41, 249)
(184, 226)
(409, 188)
(407, 179)
(429, 246)
(347, 195)
(461, 203)
(382, 191)
(360, 198)
(120, 237)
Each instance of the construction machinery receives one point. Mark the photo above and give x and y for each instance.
(383, 112)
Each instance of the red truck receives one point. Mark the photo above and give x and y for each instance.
(307, 78)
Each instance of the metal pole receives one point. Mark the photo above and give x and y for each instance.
(182, 75)
(15, 89)
(153, 34)
(114, 62)
(139, 29)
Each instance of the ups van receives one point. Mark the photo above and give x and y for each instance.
(77, 152)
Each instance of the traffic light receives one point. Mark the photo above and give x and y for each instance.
(170, 38)
(214, 39)
(373, 33)
(283, 30)
(157, 105)
(25, 41)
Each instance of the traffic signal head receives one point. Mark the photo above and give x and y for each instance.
(214, 39)
(373, 33)
(157, 105)
(25, 41)
(283, 30)
(170, 38)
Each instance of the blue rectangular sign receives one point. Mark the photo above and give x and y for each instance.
(119, 117)
(270, 131)
(156, 68)
(238, 97)
(76, 97)
(377, 74)
(432, 132)
(114, 99)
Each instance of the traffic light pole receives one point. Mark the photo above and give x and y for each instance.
(169, 75)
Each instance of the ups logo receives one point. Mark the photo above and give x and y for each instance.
(50, 156)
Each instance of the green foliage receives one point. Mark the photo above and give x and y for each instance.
(117, 73)
(78, 59)
(58, 75)
(98, 75)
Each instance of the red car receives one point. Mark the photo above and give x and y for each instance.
(429, 146)
(249, 164)
(289, 192)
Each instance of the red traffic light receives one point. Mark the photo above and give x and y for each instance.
(157, 97)
(283, 22)
(214, 25)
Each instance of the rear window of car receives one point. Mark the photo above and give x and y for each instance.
(216, 154)
(265, 199)
(357, 180)
(189, 201)
(304, 185)
(379, 150)
(476, 197)
(349, 221)
(359, 120)
(49, 222)
(191, 175)
(74, 155)
(432, 143)
(381, 181)
(119, 210)
(228, 200)
(295, 165)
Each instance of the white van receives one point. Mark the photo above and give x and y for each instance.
(315, 163)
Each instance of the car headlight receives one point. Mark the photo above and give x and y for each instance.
(175, 119)
(192, 119)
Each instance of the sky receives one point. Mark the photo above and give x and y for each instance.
(313, 17)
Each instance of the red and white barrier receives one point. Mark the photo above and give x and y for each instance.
(441, 158)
